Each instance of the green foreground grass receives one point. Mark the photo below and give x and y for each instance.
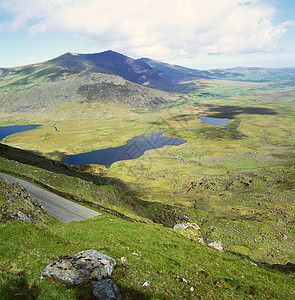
(164, 257)
(235, 181)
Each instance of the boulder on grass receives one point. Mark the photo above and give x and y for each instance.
(106, 289)
(87, 265)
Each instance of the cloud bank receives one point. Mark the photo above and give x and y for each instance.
(155, 28)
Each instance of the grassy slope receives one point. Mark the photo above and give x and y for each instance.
(165, 256)
(236, 181)
(256, 145)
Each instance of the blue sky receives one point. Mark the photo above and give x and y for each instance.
(193, 33)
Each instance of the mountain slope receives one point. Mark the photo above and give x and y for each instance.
(127, 67)
(78, 78)
(174, 73)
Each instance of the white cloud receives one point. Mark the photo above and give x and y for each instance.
(155, 28)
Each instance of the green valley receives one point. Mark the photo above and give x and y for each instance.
(236, 181)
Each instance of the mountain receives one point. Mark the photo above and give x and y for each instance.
(115, 63)
(175, 74)
(254, 74)
(106, 77)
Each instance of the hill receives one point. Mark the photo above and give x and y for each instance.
(236, 181)
(175, 73)
(177, 264)
(78, 78)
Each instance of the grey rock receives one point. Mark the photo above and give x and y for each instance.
(183, 280)
(83, 266)
(217, 245)
(21, 216)
(106, 289)
(184, 226)
(147, 283)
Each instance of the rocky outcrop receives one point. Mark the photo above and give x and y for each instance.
(184, 226)
(216, 245)
(17, 204)
(89, 265)
(83, 266)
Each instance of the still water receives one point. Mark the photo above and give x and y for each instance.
(134, 148)
(214, 121)
(8, 130)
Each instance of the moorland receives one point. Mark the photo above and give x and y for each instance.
(236, 181)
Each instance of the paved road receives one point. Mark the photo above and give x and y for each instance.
(57, 207)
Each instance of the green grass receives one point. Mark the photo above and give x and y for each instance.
(235, 181)
(165, 256)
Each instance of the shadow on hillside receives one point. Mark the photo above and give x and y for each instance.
(228, 112)
(155, 211)
(18, 287)
(130, 293)
(231, 111)
(288, 268)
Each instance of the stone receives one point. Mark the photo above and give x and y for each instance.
(123, 260)
(184, 226)
(106, 289)
(21, 216)
(217, 245)
(83, 266)
(147, 283)
(183, 280)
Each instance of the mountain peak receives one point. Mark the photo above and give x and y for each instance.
(126, 67)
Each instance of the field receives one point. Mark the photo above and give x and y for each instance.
(235, 181)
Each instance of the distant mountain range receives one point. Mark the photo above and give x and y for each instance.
(176, 74)
(109, 77)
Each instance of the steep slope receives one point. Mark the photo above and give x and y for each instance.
(174, 73)
(74, 78)
(127, 67)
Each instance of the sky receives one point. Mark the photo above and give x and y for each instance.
(201, 34)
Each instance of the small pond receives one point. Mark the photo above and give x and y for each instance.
(134, 148)
(8, 130)
(214, 121)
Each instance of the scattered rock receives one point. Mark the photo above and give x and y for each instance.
(123, 260)
(184, 281)
(251, 262)
(217, 245)
(147, 283)
(134, 253)
(18, 215)
(83, 266)
(17, 204)
(184, 226)
(191, 289)
(106, 289)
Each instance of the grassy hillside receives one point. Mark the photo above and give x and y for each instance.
(229, 179)
(235, 181)
(165, 256)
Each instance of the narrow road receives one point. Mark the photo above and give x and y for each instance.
(57, 207)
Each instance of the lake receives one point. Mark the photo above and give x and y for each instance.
(8, 130)
(134, 148)
(214, 121)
